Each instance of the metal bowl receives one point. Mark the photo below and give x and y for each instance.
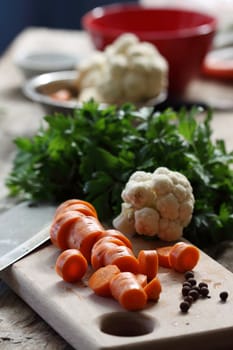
(39, 89)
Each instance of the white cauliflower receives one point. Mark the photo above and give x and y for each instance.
(126, 71)
(161, 204)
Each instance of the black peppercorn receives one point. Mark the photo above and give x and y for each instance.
(203, 284)
(204, 291)
(194, 294)
(185, 290)
(223, 296)
(189, 299)
(192, 281)
(184, 306)
(188, 274)
(186, 283)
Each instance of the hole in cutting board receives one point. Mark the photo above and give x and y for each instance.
(126, 324)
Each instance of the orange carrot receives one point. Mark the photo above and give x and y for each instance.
(121, 256)
(61, 227)
(183, 256)
(69, 202)
(100, 247)
(82, 208)
(99, 281)
(142, 279)
(71, 265)
(163, 256)
(119, 235)
(153, 289)
(126, 289)
(148, 263)
(84, 234)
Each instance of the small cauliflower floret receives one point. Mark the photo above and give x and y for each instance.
(185, 212)
(142, 49)
(168, 206)
(122, 44)
(125, 222)
(146, 221)
(169, 230)
(162, 170)
(126, 71)
(180, 192)
(163, 202)
(138, 194)
(91, 71)
(140, 176)
(179, 178)
(162, 184)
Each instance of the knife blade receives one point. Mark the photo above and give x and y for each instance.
(23, 229)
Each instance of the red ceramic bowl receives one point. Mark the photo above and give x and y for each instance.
(182, 36)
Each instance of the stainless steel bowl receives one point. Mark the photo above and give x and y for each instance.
(40, 87)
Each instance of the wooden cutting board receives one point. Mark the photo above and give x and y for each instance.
(89, 322)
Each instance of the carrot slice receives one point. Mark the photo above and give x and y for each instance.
(121, 256)
(100, 247)
(69, 202)
(163, 256)
(119, 235)
(61, 227)
(71, 265)
(183, 256)
(126, 289)
(99, 281)
(153, 289)
(148, 263)
(82, 208)
(142, 279)
(84, 234)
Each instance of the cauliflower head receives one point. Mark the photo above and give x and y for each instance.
(160, 204)
(126, 71)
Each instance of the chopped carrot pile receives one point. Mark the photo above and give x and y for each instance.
(117, 272)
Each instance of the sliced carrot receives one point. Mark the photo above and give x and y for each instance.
(61, 227)
(100, 248)
(84, 234)
(99, 281)
(69, 202)
(142, 279)
(119, 235)
(163, 256)
(184, 256)
(121, 256)
(148, 262)
(153, 289)
(82, 208)
(71, 265)
(126, 289)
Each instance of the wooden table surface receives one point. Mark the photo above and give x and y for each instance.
(20, 327)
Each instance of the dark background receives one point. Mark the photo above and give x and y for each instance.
(16, 15)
